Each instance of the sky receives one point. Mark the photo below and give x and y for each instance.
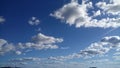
(60, 33)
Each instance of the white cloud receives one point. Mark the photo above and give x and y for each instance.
(97, 13)
(27, 59)
(102, 47)
(113, 8)
(34, 21)
(5, 47)
(72, 13)
(41, 41)
(99, 48)
(18, 52)
(99, 61)
(77, 14)
(2, 19)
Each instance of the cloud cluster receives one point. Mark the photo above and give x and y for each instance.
(99, 48)
(34, 21)
(113, 7)
(2, 19)
(77, 14)
(39, 42)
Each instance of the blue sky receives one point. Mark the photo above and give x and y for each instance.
(61, 33)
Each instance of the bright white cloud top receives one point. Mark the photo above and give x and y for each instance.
(39, 42)
(77, 14)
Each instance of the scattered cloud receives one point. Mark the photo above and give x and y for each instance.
(99, 61)
(2, 19)
(99, 48)
(77, 14)
(25, 59)
(39, 42)
(113, 7)
(34, 21)
(5, 47)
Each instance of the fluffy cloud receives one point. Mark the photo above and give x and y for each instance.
(99, 48)
(41, 41)
(102, 47)
(113, 7)
(73, 13)
(18, 52)
(77, 14)
(5, 47)
(34, 21)
(2, 19)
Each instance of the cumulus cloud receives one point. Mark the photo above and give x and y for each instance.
(77, 14)
(5, 47)
(34, 21)
(73, 13)
(113, 7)
(99, 48)
(39, 42)
(102, 47)
(2, 19)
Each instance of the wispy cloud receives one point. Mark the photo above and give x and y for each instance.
(2, 19)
